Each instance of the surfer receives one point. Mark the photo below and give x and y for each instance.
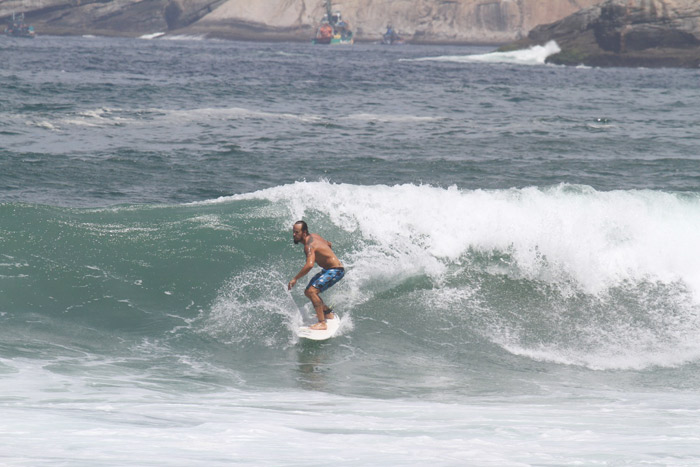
(317, 250)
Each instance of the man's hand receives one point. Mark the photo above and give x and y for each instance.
(291, 284)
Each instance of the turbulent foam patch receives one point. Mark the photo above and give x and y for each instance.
(254, 308)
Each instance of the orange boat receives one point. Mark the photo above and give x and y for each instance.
(333, 29)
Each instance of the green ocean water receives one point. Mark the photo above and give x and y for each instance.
(520, 239)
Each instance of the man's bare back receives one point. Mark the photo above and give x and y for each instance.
(322, 250)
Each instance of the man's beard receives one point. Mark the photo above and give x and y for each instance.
(296, 242)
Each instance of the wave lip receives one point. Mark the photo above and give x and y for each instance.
(569, 232)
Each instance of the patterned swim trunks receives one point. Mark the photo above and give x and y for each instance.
(326, 278)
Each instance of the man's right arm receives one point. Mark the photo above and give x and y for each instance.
(310, 260)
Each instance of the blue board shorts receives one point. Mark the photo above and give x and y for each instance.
(326, 278)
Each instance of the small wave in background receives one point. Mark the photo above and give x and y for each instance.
(535, 55)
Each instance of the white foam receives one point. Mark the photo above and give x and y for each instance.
(105, 117)
(99, 117)
(235, 113)
(225, 113)
(183, 37)
(535, 55)
(629, 354)
(391, 118)
(154, 35)
(44, 124)
(596, 238)
(243, 314)
(572, 239)
(88, 417)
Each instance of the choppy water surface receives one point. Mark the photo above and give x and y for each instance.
(523, 280)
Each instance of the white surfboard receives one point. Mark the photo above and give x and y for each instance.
(320, 335)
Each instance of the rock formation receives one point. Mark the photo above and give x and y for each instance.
(76, 17)
(448, 21)
(649, 33)
(108, 17)
(466, 21)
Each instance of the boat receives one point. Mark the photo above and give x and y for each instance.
(19, 28)
(333, 29)
(391, 37)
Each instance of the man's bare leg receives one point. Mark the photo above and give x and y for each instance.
(322, 311)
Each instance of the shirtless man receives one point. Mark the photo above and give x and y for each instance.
(318, 250)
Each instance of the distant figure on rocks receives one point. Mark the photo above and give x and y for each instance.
(391, 36)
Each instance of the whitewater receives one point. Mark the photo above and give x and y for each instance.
(522, 287)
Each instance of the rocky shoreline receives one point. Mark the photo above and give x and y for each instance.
(418, 21)
(631, 33)
(624, 33)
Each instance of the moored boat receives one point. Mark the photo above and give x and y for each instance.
(391, 37)
(19, 28)
(333, 29)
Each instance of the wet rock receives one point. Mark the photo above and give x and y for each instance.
(646, 33)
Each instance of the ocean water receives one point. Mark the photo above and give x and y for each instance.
(521, 242)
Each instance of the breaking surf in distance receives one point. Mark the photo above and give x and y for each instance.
(154, 35)
(535, 55)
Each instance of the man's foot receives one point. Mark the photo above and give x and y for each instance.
(320, 326)
(328, 314)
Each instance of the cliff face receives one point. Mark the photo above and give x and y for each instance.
(474, 21)
(650, 33)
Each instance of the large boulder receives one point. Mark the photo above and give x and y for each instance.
(650, 33)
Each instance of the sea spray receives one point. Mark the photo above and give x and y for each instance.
(253, 308)
(560, 234)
